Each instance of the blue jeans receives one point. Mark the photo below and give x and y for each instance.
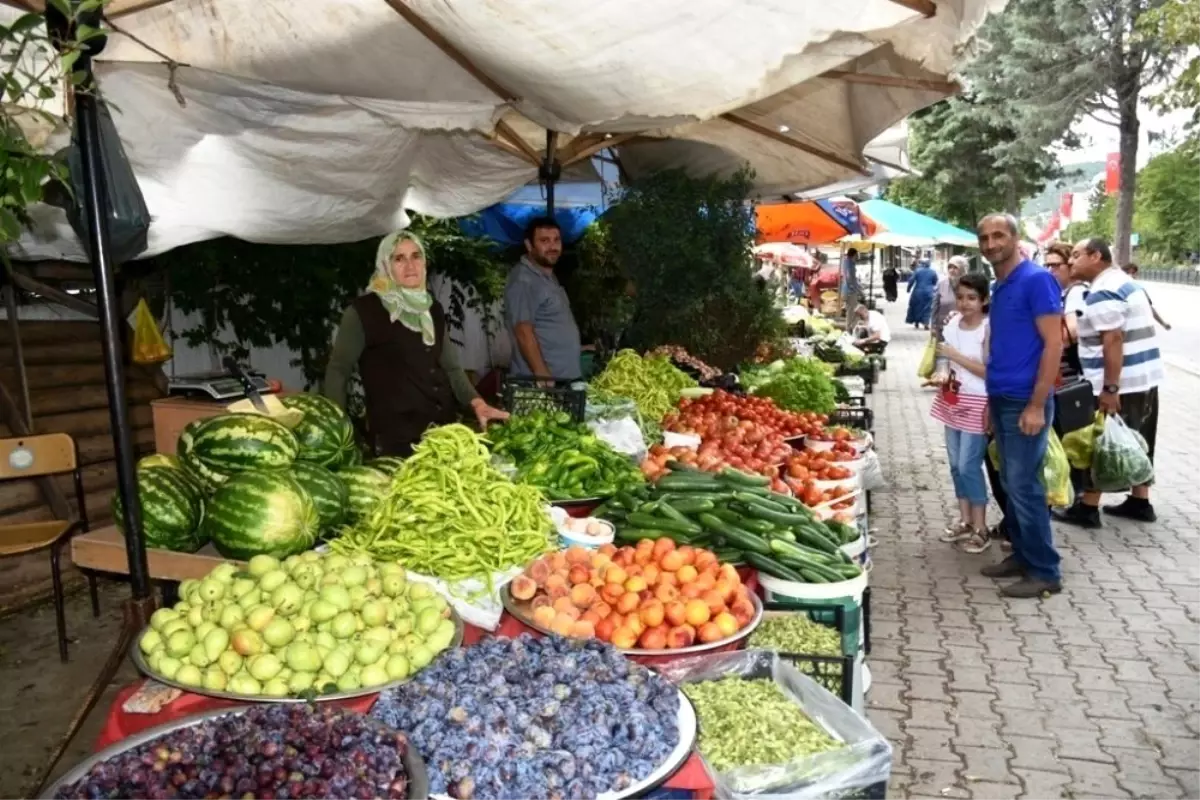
(966, 452)
(1027, 516)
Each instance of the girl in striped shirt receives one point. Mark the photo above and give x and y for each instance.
(961, 405)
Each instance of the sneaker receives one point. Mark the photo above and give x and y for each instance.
(1084, 516)
(1008, 568)
(1134, 508)
(1031, 587)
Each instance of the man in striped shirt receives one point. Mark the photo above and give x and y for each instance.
(1118, 350)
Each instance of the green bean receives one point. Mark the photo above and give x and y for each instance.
(753, 723)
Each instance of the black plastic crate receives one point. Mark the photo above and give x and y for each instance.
(521, 396)
(834, 672)
(859, 417)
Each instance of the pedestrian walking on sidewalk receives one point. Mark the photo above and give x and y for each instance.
(1118, 350)
(1022, 368)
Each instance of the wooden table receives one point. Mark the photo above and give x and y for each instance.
(104, 551)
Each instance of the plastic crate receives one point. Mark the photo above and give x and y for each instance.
(521, 396)
(834, 672)
(859, 417)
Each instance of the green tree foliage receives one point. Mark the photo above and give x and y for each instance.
(685, 243)
(969, 165)
(1176, 24)
(1049, 63)
(598, 286)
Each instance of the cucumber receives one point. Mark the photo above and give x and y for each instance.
(845, 533)
(689, 482)
(812, 577)
(775, 533)
(667, 511)
(729, 555)
(776, 517)
(729, 515)
(743, 478)
(639, 520)
(759, 526)
(734, 536)
(782, 547)
(690, 505)
(749, 498)
(631, 534)
(627, 500)
(679, 466)
(773, 568)
(810, 539)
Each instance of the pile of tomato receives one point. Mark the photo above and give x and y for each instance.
(807, 492)
(818, 465)
(715, 414)
(837, 433)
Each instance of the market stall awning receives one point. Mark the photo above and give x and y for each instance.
(813, 222)
(903, 227)
(323, 121)
(786, 254)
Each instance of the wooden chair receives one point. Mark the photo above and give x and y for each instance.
(36, 456)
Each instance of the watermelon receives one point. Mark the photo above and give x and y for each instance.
(351, 458)
(159, 460)
(366, 486)
(232, 443)
(325, 433)
(261, 511)
(172, 509)
(328, 492)
(388, 464)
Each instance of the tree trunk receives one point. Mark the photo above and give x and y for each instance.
(1128, 169)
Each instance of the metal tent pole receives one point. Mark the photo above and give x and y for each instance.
(95, 200)
(550, 170)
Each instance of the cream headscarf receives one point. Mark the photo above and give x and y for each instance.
(409, 307)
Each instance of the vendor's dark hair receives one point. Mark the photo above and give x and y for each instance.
(977, 283)
(1097, 245)
(538, 223)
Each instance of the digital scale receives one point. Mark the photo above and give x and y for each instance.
(215, 385)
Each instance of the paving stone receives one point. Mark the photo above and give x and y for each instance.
(1042, 784)
(1031, 753)
(1082, 745)
(970, 679)
(1134, 671)
(978, 733)
(1092, 779)
(936, 779)
(928, 714)
(888, 696)
(985, 764)
(1179, 753)
(889, 723)
(1189, 779)
(932, 744)
(985, 790)
(1016, 695)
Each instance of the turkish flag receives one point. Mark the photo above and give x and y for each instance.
(1112, 173)
(1064, 206)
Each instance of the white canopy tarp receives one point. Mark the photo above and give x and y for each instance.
(322, 121)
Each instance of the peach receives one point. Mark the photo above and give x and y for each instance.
(716, 604)
(653, 613)
(709, 632)
(607, 549)
(523, 587)
(690, 591)
(671, 562)
(681, 636)
(635, 624)
(697, 612)
(556, 592)
(729, 572)
(676, 612)
(727, 624)
(558, 562)
(611, 593)
(590, 616)
(743, 611)
(555, 579)
(597, 580)
(538, 570)
(583, 629)
(724, 588)
(600, 560)
(635, 584)
(628, 603)
(604, 629)
(563, 625)
(577, 555)
(666, 593)
(686, 574)
(563, 605)
(705, 558)
(646, 595)
(667, 579)
(617, 619)
(651, 572)
(688, 552)
(583, 595)
(602, 608)
(643, 556)
(705, 581)
(662, 547)
(578, 574)
(623, 638)
(633, 569)
(615, 574)
(544, 616)
(540, 601)
(652, 639)
(662, 628)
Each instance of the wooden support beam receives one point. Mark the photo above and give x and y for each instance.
(592, 148)
(505, 132)
(872, 79)
(57, 295)
(121, 8)
(57, 271)
(770, 133)
(14, 327)
(12, 417)
(924, 7)
(442, 43)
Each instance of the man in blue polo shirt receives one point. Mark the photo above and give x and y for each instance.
(1022, 367)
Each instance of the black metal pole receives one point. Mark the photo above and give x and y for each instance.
(95, 201)
(550, 170)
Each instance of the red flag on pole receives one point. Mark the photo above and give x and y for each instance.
(1112, 173)
(1065, 205)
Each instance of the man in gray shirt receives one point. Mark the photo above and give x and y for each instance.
(537, 312)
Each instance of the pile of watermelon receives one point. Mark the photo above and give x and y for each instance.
(251, 485)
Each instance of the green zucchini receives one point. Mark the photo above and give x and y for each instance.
(735, 536)
(689, 482)
(773, 568)
(690, 505)
(627, 500)
(640, 520)
(779, 518)
(806, 537)
(811, 576)
(743, 478)
(750, 498)
(729, 555)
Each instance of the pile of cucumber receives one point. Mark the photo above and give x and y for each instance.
(740, 519)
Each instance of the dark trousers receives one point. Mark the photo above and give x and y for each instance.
(998, 492)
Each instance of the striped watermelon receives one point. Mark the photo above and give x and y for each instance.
(261, 511)
(207, 478)
(232, 443)
(388, 464)
(351, 458)
(159, 460)
(366, 486)
(328, 492)
(172, 509)
(325, 433)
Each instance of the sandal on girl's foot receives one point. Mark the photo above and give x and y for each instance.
(956, 532)
(976, 542)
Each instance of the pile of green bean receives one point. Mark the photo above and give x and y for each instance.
(745, 723)
(796, 634)
(450, 514)
(653, 383)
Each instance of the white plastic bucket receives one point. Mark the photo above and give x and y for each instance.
(856, 549)
(851, 483)
(847, 594)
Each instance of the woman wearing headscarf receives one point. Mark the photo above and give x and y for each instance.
(944, 300)
(921, 286)
(395, 336)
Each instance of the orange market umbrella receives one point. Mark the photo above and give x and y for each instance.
(813, 222)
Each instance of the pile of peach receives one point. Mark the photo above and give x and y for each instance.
(653, 596)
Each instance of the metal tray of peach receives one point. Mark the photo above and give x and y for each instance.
(652, 599)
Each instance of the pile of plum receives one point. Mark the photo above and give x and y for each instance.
(284, 751)
(535, 718)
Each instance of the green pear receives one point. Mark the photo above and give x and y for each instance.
(276, 687)
(278, 632)
(151, 640)
(262, 564)
(380, 636)
(241, 586)
(394, 584)
(287, 599)
(349, 682)
(374, 612)
(250, 599)
(246, 642)
(179, 643)
(245, 684)
(358, 597)
(325, 639)
(312, 555)
(322, 611)
(420, 591)
(190, 675)
(259, 617)
(195, 616)
(302, 657)
(354, 576)
(419, 657)
(369, 653)
(427, 621)
(339, 596)
(441, 637)
(272, 580)
(264, 666)
(160, 618)
(230, 662)
(231, 617)
(301, 682)
(203, 630)
(374, 676)
(154, 656)
(215, 679)
(211, 590)
(223, 572)
(336, 664)
(168, 666)
(215, 643)
(397, 667)
(198, 656)
(344, 625)
(403, 624)
(336, 562)
(174, 626)
(186, 587)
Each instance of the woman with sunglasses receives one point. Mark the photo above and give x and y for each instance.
(1074, 297)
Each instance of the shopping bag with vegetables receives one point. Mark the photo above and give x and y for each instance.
(1081, 444)
(1120, 459)
(928, 360)
(1055, 474)
(149, 346)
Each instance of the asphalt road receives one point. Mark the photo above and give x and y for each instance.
(1180, 307)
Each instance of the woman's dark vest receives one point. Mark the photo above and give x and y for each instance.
(406, 388)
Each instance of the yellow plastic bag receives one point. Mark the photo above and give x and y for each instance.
(1081, 444)
(1056, 471)
(149, 346)
(928, 360)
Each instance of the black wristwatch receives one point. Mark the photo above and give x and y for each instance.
(1112, 388)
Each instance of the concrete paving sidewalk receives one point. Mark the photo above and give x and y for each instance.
(1091, 693)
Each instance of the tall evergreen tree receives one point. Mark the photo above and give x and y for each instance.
(1047, 64)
